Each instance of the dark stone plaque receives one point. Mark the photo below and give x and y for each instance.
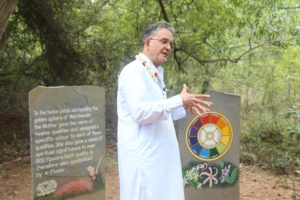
(67, 136)
(210, 150)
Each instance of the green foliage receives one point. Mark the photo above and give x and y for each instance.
(268, 82)
(293, 114)
(270, 147)
(13, 146)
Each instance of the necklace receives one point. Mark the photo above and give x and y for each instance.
(152, 73)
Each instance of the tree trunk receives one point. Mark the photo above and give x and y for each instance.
(6, 8)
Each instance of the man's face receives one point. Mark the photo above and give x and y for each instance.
(158, 47)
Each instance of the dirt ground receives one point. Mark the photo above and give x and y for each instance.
(255, 184)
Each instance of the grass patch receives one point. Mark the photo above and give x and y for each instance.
(268, 142)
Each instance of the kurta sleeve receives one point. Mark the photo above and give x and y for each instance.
(134, 89)
(178, 113)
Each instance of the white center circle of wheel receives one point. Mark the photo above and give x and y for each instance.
(209, 135)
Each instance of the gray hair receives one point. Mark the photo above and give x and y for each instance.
(153, 28)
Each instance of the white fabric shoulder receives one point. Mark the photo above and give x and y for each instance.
(143, 96)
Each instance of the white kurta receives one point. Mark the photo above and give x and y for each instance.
(148, 152)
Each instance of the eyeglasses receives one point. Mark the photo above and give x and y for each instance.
(164, 41)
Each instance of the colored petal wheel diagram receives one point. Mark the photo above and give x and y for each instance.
(209, 136)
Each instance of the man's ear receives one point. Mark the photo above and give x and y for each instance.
(147, 42)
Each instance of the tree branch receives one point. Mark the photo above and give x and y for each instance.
(288, 8)
(163, 10)
(233, 60)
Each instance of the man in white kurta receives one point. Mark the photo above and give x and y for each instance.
(148, 152)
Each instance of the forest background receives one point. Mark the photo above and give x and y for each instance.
(246, 47)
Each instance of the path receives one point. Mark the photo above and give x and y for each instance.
(255, 184)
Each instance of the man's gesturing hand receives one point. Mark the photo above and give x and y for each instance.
(194, 101)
